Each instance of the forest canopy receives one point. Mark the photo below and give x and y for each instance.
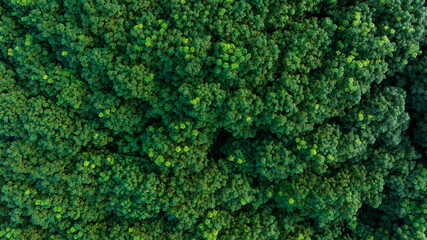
(213, 119)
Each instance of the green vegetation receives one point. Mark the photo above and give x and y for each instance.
(216, 119)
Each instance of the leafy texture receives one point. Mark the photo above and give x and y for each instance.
(217, 119)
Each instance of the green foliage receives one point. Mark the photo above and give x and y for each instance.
(219, 119)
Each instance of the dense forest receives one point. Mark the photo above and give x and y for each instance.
(213, 119)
